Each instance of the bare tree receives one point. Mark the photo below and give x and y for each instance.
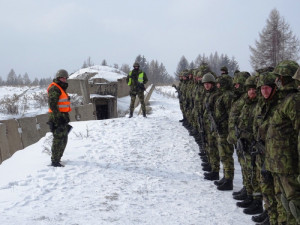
(276, 43)
(125, 68)
(87, 63)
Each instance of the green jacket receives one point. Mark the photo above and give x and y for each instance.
(282, 153)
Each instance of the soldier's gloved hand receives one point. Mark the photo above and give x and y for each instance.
(267, 176)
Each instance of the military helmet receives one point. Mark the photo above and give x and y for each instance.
(267, 78)
(225, 81)
(224, 68)
(208, 78)
(251, 82)
(265, 69)
(136, 64)
(241, 77)
(62, 73)
(297, 75)
(286, 68)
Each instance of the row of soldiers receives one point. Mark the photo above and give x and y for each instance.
(258, 117)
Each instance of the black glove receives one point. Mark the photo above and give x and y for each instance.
(267, 176)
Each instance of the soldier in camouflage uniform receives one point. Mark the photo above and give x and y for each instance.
(137, 79)
(238, 102)
(244, 148)
(222, 109)
(282, 152)
(211, 95)
(274, 212)
(59, 108)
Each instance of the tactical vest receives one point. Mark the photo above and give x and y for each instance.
(140, 78)
(63, 104)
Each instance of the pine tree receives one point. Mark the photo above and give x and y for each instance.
(182, 65)
(125, 68)
(276, 43)
(11, 78)
(20, 80)
(104, 63)
(26, 79)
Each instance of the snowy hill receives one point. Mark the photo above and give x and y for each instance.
(117, 171)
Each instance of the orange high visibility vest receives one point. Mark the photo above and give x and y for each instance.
(64, 104)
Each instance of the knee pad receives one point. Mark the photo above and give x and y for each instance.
(285, 203)
(295, 209)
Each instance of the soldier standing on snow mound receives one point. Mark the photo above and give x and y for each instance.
(59, 108)
(137, 79)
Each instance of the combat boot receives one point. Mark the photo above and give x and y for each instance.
(57, 164)
(205, 164)
(261, 217)
(265, 222)
(241, 196)
(144, 114)
(182, 120)
(130, 114)
(202, 153)
(204, 159)
(245, 203)
(227, 185)
(211, 176)
(255, 207)
(239, 192)
(219, 182)
(206, 168)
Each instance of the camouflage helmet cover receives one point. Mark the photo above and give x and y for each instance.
(224, 68)
(241, 77)
(208, 78)
(267, 78)
(297, 75)
(286, 68)
(251, 81)
(265, 69)
(225, 81)
(62, 73)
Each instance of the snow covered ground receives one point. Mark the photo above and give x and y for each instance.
(117, 171)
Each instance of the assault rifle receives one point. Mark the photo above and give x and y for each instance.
(202, 132)
(213, 124)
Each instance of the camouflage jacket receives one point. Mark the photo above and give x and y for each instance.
(282, 155)
(199, 99)
(209, 101)
(56, 116)
(235, 111)
(245, 120)
(222, 110)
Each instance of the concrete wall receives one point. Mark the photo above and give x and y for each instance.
(123, 88)
(16, 134)
(4, 149)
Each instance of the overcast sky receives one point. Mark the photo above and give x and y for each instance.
(41, 36)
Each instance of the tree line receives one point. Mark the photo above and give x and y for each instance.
(23, 80)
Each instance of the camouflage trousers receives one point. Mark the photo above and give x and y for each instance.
(60, 139)
(141, 98)
(250, 176)
(226, 156)
(212, 150)
(290, 196)
(271, 195)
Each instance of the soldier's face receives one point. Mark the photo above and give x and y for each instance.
(266, 91)
(252, 93)
(63, 79)
(237, 85)
(218, 85)
(208, 86)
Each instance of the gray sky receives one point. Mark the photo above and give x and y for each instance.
(41, 36)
